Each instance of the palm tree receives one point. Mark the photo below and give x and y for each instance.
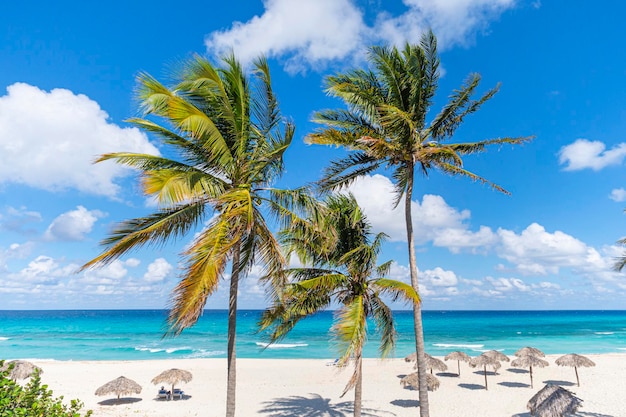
(384, 126)
(227, 140)
(341, 255)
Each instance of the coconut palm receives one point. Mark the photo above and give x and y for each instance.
(384, 126)
(225, 140)
(340, 255)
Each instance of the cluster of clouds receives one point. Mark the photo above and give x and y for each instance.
(56, 135)
(311, 33)
(54, 138)
(533, 254)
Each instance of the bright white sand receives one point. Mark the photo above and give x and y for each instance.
(303, 387)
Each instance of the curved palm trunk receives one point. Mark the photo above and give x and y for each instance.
(358, 387)
(417, 308)
(231, 388)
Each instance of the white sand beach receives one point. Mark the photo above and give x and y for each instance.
(300, 387)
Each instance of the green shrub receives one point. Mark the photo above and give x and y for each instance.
(33, 399)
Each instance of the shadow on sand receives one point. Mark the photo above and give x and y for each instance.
(558, 382)
(115, 401)
(406, 403)
(517, 370)
(472, 386)
(313, 406)
(514, 384)
(447, 374)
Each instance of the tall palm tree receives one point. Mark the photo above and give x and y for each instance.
(384, 126)
(341, 257)
(225, 139)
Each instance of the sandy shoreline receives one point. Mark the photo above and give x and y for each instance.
(297, 387)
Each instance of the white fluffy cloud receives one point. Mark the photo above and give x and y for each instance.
(310, 32)
(48, 140)
(158, 270)
(439, 277)
(618, 194)
(433, 219)
(584, 153)
(73, 225)
(453, 21)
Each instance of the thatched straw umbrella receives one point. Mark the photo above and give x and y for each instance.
(497, 355)
(484, 361)
(21, 369)
(434, 363)
(528, 361)
(576, 361)
(432, 383)
(458, 356)
(530, 351)
(411, 358)
(173, 377)
(119, 386)
(553, 401)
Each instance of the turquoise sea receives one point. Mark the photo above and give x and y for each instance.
(137, 334)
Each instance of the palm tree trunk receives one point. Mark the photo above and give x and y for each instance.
(358, 387)
(417, 308)
(231, 388)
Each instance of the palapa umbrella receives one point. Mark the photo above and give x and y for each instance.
(576, 361)
(434, 363)
(497, 355)
(528, 361)
(119, 386)
(411, 358)
(530, 351)
(21, 369)
(484, 361)
(458, 356)
(553, 401)
(173, 377)
(432, 383)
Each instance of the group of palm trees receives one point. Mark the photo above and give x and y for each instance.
(225, 139)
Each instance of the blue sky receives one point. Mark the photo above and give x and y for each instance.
(67, 73)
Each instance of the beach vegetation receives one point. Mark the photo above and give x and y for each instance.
(340, 256)
(34, 399)
(225, 138)
(387, 124)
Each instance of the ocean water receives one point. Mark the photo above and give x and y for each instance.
(137, 334)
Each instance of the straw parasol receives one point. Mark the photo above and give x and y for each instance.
(458, 356)
(530, 351)
(411, 358)
(497, 355)
(484, 361)
(528, 361)
(434, 363)
(432, 383)
(173, 377)
(553, 401)
(119, 386)
(21, 369)
(576, 361)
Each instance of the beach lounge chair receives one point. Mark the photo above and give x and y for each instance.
(163, 395)
(178, 393)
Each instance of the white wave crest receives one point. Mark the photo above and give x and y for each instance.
(2, 339)
(281, 345)
(601, 333)
(453, 345)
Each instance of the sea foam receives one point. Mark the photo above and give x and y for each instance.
(281, 345)
(453, 345)
(2, 339)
